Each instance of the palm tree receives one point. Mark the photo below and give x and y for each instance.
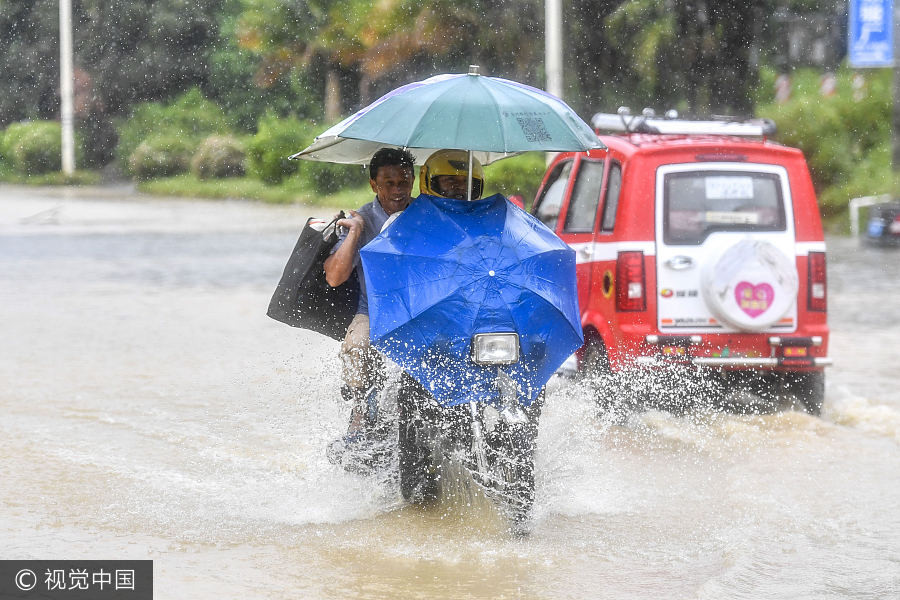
(291, 35)
(388, 42)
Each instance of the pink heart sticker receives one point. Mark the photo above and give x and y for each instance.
(754, 299)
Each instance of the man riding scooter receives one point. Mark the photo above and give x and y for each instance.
(444, 174)
(391, 176)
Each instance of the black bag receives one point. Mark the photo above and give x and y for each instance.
(303, 298)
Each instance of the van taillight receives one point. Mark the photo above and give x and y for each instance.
(630, 286)
(818, 292)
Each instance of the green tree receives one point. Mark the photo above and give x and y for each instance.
(135, 52)
(29, 60)
(126, 51)
(236, 85)
(696, 55)
(304, 36)
(411, 40)
(359, 50)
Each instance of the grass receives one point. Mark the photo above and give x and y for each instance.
(187, 185)
(289, 192)
(56, 178)
(517, 175)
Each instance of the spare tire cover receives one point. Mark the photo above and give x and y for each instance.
(751, 286)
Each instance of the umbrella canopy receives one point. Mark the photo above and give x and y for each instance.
(448, 269)
(495, 118)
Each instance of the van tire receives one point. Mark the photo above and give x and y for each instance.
(594, 360)
(812, 391)
(809, 389)
(613, 393)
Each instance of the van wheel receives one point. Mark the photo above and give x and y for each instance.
(809, 388)
(594, 360)
(614, 394)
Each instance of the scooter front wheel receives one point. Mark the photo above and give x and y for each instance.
(419, 477)
(512, 453)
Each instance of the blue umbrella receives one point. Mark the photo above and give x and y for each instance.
(448, 269)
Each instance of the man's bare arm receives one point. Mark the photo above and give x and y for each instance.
(339, 265)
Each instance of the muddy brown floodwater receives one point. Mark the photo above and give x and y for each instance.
(151, 410)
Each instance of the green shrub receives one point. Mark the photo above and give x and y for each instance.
(845, 137)
(160, 156)
(190, 117)
(275, 140)
(517, 175)
(5, 167)
(870, 176)
(217, 157)
(33, 147)
(328, 178)
(278, 138)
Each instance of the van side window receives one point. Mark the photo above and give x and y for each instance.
(585, 197)
(550, 202)
(613, 187)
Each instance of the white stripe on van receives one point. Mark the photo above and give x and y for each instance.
(804, 248)
(588, 252)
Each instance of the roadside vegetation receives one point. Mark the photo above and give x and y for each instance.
(190, 146)
(210, 97)
(844, 132)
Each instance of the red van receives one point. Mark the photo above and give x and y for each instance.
(698, 244)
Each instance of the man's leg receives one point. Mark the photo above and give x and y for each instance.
(362, 372)
(358, 450)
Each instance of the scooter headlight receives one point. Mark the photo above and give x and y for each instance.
(495, 348)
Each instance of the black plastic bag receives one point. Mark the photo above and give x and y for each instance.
(303, 298)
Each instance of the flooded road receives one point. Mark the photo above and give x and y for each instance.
(152, 410)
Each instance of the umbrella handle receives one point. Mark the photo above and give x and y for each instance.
(469, 179)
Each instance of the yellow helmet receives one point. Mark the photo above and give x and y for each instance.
(450, 162)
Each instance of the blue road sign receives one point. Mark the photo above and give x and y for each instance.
(871, 33)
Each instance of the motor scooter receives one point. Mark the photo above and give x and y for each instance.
(494, 441)
(476, 354)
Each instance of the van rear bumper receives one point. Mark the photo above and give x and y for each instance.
(772, 362)
(785, 352)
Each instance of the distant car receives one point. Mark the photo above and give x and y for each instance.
(883, 228)
(698, 243)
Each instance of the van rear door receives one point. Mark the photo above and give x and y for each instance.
(725, 254)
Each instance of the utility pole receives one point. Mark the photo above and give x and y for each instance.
(895, 96)
(872, 35)
(66, 116)
(553, 50)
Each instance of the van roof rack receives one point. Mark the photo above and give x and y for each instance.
(648, 122)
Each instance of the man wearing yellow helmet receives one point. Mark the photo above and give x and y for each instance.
(445, 174)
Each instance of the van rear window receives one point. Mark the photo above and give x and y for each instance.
(697, 203)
